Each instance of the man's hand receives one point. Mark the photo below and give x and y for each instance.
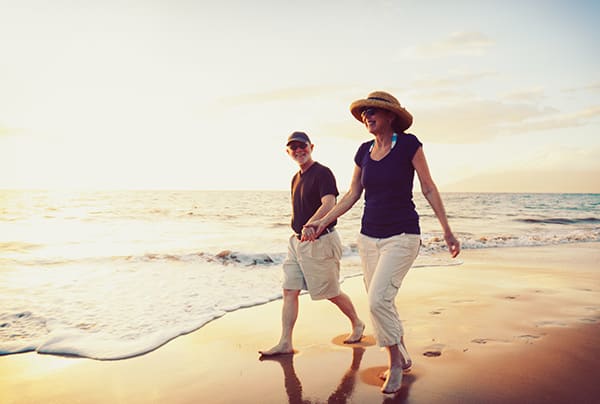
(312, 230)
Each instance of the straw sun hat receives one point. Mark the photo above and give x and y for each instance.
(383, 100)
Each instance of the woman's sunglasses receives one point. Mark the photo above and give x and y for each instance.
(368, 112)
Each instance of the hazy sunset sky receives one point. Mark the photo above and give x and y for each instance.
(202, 95)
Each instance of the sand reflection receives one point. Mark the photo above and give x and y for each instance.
(293, 385)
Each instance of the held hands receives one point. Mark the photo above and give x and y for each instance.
(312, 230)
(453, 244)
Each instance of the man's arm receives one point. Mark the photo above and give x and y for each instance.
(315, 226)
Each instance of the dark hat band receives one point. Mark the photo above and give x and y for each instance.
(380, 99)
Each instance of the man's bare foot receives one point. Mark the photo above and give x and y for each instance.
(357, 333)
(279, 349)
(393, 382)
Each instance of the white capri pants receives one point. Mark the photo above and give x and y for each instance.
(385, 263)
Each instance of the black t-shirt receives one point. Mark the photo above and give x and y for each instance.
(307, 190)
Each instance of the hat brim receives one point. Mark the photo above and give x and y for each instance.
(300, 140)
(404, 118)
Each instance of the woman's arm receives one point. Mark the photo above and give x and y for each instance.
(313, 228)
(432, 195)
(327, 203)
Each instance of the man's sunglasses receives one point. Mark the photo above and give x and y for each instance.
(295, 146)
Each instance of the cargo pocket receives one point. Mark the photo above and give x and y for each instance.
(336, 246)
(314, 250)
(391, 291)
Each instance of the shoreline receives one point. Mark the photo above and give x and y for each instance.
(508, 325)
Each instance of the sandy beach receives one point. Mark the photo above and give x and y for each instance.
(509, 325)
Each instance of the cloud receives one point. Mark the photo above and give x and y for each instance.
(458, 43)
(557, 180)
(531, 94)
(472, 121)
(593, 87)
(479, 120)
(577, 157)
(444, 95)
(6, 131)
(556, 121)
(285, 94)
(452, 80)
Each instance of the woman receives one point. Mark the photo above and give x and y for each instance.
(389, 239)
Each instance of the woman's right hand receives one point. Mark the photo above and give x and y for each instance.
(313, 229)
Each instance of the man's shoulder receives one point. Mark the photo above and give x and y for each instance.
(320, 168)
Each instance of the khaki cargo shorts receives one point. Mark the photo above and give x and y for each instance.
(314, 266)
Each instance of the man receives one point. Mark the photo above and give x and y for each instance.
(311, 265)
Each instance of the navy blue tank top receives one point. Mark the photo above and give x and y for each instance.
(388, 183)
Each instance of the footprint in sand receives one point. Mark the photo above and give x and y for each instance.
(550, 324)
(434, 350)
(463, 301)
(486, 340)
(529, 337)
(545, 291)
(589, 320)
(366, 340)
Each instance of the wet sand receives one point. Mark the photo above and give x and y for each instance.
(508, 325)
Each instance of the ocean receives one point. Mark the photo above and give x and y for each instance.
(112, 275)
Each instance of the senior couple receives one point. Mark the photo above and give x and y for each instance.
(389, 238)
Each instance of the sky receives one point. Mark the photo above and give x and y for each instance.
(174, 94)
